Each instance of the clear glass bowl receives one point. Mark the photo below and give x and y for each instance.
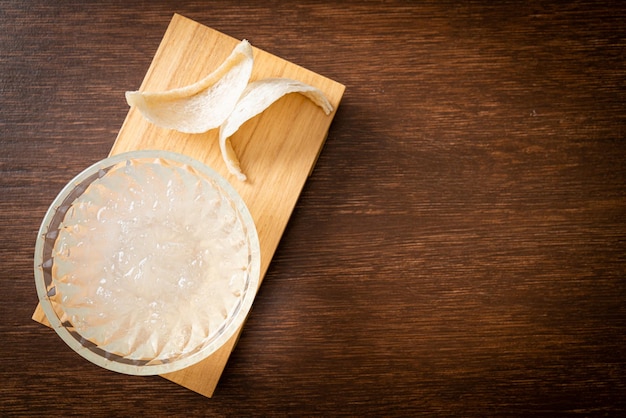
(147, 262)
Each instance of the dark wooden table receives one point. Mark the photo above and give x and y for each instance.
(460, 248)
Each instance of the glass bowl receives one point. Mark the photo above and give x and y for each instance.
(147, 262)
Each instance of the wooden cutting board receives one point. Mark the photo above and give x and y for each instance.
(277, 149)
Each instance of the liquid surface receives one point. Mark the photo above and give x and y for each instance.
(150, 262)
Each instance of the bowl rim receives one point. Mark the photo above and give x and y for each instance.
(219, 340)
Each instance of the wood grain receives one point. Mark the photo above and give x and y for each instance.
(459, 249)
(277, 149)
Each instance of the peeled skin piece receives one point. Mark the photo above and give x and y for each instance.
(201, 106)
(258, 96)
(223, 99)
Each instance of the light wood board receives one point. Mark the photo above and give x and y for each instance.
(277, 149)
